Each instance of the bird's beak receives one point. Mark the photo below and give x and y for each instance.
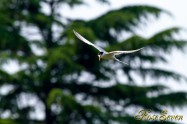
(99, 57)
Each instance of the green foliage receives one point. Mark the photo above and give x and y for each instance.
(54, 76)
(7, 121)
(125, 19)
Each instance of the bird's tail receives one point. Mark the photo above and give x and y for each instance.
(121, 61)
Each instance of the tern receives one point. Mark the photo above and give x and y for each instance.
(104, 54)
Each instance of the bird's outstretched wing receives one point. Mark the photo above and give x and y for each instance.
(88, 42)
(123, 52)
(120, 61)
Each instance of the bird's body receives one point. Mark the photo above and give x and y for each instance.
(104, 54)
(107, 56)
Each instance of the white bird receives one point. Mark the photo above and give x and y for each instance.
(104, 54)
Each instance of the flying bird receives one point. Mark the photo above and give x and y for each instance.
(104, 54)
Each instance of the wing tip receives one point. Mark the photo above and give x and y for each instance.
(77, 34)
(74, 31)
(138, 49)
(141, 48)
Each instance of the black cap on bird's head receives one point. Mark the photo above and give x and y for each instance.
(100, 54)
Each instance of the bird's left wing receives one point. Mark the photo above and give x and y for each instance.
(123, 52)
(88, 42)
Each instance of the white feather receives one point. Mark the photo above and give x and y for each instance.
(88, 42)
(123, 52)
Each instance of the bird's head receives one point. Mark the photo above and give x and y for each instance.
(100, 54)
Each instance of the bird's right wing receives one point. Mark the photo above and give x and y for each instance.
(88, 42)
(123, 52)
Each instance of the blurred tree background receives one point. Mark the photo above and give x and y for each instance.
(63, 74)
